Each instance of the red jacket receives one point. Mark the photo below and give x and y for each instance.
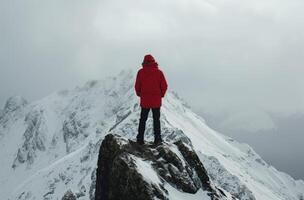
(151, 84)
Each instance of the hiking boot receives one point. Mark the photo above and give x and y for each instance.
(157, 140)
(140, 141)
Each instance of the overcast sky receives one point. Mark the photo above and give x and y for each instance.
(235, 60)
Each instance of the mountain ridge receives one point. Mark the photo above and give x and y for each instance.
(59, 136)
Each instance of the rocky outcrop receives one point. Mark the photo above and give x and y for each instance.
(223, 178)
(74, 131)
(130, 171)
(34, 138)
(13, 107)
(69, 195)
(14, 103)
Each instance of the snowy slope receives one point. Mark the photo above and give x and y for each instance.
(51, 145)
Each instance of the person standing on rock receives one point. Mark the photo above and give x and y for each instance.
(151, 87)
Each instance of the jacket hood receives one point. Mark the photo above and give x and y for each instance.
(149, 61)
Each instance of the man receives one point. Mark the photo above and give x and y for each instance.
(151, 87)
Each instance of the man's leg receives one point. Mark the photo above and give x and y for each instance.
(142, 124)
(156, 124)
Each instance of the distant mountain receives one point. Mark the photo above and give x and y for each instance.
(49, 148)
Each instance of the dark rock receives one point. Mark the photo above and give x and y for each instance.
(118, 176)
(69, 195)
(194, 162)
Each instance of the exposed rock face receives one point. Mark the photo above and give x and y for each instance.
(10, 112)
(1, 113)
(69, 195)
(14, 103)
(34, 138)
(73, 131)
(121, 162)
(223, 178)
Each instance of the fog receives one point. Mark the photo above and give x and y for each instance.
(235, 61)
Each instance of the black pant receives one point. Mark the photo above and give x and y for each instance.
(142, 122)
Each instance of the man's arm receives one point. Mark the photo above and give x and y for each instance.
(163, 84)
(138, 84)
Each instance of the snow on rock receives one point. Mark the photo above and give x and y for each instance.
(130, 171)
(11, 112)
(14, 103)
(49, 147)
(146, 170)
(69, 195)
(34, 138)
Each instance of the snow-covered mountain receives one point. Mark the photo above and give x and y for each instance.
(51, 146)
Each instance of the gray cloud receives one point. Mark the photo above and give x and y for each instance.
(223, 57)
(281, 146)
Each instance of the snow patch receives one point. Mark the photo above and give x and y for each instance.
(178, 195)
(146, 170)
